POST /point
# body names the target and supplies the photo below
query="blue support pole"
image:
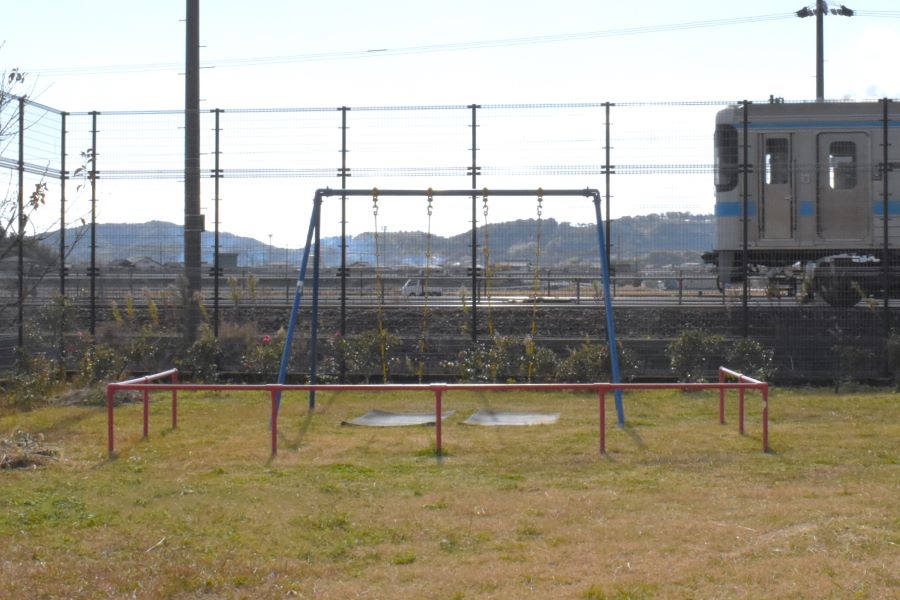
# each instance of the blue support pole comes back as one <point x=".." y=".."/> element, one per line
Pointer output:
<point x="314" y="322"/>
<point x="610" y="321"/>
<point x="298" y="294"/>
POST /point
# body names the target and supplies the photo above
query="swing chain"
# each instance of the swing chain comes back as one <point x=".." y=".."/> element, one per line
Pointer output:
<point x="540" y="201"/>
<point x="430" y="199"/>
<point x="375" y="202"/>
<point x="484" y="200"/>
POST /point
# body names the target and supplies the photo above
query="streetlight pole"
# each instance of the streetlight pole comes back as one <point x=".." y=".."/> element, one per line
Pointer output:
<point x="820" y="11"/>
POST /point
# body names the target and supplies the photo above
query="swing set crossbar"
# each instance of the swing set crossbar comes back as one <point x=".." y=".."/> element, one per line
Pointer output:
<point x="585" y="192"/>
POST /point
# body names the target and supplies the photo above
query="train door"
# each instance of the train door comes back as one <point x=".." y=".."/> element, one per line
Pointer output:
<point x="777" y="189"/>
<point x="843" y="186"/>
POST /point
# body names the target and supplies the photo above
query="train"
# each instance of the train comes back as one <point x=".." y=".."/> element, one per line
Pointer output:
<point x="803" y="190"/>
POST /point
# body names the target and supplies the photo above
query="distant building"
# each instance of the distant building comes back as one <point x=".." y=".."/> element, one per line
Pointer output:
<point x="228" y="260"/>
<point x="145" y="263"/>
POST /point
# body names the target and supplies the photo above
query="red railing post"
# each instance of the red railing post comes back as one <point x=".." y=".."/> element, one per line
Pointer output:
<point x="175" y="401"/>
<point x="721" y="397"/>
<point x="438" y="420"/>
<point x="602" y="400"/>
<point x="765" y="417"/>
<point x="110" y="435"/>
<point x="741" y="411"/>
<point x="146" y="413"/>
<point x="274" y="422"/>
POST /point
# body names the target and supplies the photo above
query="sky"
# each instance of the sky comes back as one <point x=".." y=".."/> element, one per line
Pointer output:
<point x="114" y="55"/>
<point x="129" y="54"/>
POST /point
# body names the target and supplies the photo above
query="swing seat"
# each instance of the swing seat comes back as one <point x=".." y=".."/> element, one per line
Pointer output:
<point x="380" y="418"/>
<point x="490" y="418"/>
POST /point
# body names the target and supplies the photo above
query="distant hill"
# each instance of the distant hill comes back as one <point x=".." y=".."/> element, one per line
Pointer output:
<point x="510" y="242"/>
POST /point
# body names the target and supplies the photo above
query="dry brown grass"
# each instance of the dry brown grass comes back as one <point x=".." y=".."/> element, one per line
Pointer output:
<point x="681" y="507"/>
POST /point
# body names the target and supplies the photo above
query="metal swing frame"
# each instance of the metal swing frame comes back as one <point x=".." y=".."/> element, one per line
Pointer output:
<point x="312" y="240"/>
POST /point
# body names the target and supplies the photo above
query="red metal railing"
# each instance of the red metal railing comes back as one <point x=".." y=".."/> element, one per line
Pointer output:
<point x="437" y="389"/>
<point x="141" y="383"/>
<point x="724" y="375"/>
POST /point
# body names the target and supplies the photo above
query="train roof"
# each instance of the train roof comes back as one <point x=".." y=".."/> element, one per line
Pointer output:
<point x="808" y="112"/>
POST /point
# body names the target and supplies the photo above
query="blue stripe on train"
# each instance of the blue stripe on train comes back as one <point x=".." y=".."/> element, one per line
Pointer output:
<point x="734" y="209"/>
<point x="893" y="208"/>
<point x="807" y="208"/>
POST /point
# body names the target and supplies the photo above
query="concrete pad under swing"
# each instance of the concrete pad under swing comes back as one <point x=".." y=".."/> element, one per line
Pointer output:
<point x="380" y="418"/>
<point x="491" y="418"/>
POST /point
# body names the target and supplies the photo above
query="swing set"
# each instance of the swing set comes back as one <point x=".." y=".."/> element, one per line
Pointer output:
<point x="312" y="243"/>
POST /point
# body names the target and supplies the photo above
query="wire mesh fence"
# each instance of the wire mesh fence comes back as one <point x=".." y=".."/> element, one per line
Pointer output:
<point x="728" y="222"/>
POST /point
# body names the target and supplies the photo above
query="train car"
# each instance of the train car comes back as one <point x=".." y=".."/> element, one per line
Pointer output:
<point x="814" y="191"/>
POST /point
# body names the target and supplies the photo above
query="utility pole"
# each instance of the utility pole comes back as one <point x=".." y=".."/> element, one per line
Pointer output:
<point x="819" y="12"/>
<point x="193" y="220"/>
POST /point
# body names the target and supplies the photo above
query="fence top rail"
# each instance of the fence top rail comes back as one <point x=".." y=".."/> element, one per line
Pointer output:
<point x="587" y="192"/>
<point x="739" y="376"/>
<point x="148" y="378"/>
<point x="433" y="387"/>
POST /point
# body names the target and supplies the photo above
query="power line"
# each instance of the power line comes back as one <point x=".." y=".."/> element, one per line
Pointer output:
<point x="446" y="47"/>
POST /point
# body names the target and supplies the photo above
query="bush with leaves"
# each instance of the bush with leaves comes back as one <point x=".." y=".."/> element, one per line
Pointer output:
<point x="472" y="364"/>
<point x="694" y="354"/>
<point x="751" y="358"/>
<point x="366" y="354"/>
<point x="36" y="376"/>
<point x="98" y="363"/>
<point x="892" y="348"/>
<point x="587" y="363"/>
<point x="263" y="357"/>
<point x="505" y="359"/>
<point x="201" y="359"/>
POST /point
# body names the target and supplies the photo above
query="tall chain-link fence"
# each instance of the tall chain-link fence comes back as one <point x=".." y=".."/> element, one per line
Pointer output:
<point x="93" y="243"/>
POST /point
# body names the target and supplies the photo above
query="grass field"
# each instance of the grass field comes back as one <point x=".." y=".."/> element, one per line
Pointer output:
<point x="681" y="507"/>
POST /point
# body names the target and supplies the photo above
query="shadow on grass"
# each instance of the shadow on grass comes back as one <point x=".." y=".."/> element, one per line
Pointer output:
<point x="305" y="424"/>
<point x="635" y="436"/>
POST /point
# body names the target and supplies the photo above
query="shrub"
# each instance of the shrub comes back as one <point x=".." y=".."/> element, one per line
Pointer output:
<point x="750" y="358"/>
<point x="366" y="353"/>
<point x="585" y="364"/>
<point x="694" y="353"/>
<point x="202" y="357"/>
<point x="36" y="376"/>
<point x="98" y="363"/>
<point x="892" y="348"/>
<point x="263" y="357"/>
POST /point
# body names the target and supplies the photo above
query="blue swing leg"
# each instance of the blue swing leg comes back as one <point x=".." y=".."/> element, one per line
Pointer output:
<point x="610" y="321"/>
<point x="298" y="294"/>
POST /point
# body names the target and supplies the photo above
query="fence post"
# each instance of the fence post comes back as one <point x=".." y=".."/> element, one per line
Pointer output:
<point x="886" y="256"/>
<point x="602" y="401"/>
<point x="174" y="401"/>
<point x="745" y="218"/>
<point x="474" y="171"/>
<point x="274" y="421"/>
<point x="343" y="171"/>
<point x="721" y="397"/>
<point x="110" y="435"/>
<point x="438" y="421"/>
<point x="20" y="234"/>
<point x="93" y="268"/>
<point x="217" y="267"/>
<point x="146" y="413"/>
<point x="607" y="171"/>
<point x="63" y="175"/>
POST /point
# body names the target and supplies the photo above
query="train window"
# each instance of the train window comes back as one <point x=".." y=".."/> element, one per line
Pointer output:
<point x="726" y="158"/>
<point x="778" y="161"/>
<point x="842" y="165"/>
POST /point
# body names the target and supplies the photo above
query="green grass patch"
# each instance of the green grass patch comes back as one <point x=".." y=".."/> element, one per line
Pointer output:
<point x="680" y="507"/>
